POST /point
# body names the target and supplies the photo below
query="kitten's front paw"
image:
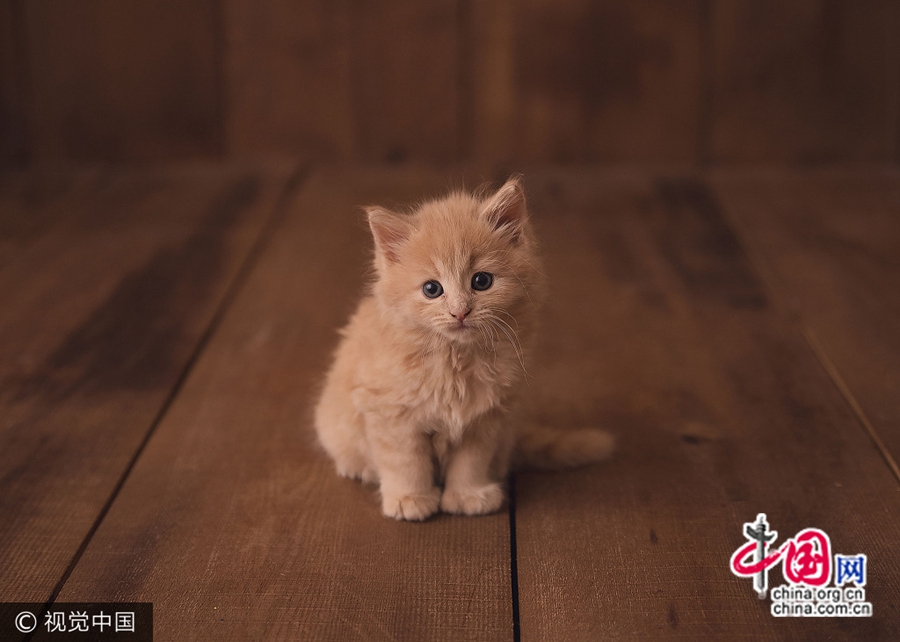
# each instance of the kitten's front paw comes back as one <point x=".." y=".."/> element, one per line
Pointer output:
<point x="412" y="507"/>
<point x="472" y="501"/>
<point x="353" y="465"/>
<point x="365" y="474"/>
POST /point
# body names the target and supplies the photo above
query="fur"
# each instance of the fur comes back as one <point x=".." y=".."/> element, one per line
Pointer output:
<point x="420" y="387"/>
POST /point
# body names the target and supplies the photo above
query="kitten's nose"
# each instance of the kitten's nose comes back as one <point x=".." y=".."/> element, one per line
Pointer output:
<point x="460" y="315"/>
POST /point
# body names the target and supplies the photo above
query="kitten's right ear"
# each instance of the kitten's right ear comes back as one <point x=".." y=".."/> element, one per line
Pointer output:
<point x="389" y="230"/>
<point x="505" y="210"/>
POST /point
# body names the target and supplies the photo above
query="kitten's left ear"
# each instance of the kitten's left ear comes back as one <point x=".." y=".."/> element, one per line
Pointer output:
<point x="505" y="210"/>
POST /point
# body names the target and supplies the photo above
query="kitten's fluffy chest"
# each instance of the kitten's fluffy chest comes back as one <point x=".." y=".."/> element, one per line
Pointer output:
<point x="459" y="384"/>
<point x="442" y="386"/>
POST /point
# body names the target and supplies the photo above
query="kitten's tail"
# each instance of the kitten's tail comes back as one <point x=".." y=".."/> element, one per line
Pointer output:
<point x="548" y="447"/>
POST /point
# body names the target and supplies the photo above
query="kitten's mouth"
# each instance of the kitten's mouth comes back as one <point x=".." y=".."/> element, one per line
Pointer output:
<point x="461" y="329"/>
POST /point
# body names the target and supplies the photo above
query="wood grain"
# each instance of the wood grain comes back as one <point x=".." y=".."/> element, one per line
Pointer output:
<point x="289" y="88"/>
<point x="236" y="526"/>
<point x="13" y="82"/>
<point x="648" y="81"/>
<point x="343" y="81"/>
<point x="116" y="80"/>
<point x="829" y="242"/>
<point x="108" y="279"/>
<point x="893" y="53"/>
<point x="405" y="80"/>
<point x="612" y="82"/>
<point x="810" y="81"/>
<point x="490" y="105"/>
<point x="661" y="331"/>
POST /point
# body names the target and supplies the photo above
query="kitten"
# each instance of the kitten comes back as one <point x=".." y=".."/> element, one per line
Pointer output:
<point x="433" y="360"/>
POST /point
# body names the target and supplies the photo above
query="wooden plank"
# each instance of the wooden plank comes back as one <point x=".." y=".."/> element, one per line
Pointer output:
<point x="893" y="53"/>
<point x="288" y="66"/>
<point x="607" y="81"/>
<point x="236" y="526"/>
<point x="829" y="243"/>
<point x="807" y="81"/>
<point x="13" y="142"/>
<point x="108" y="280"/>
<point x="343" y="81"/>
<point x="117" y="80"/>
<point x="405" y="80"/>
<point x="489" y="101"/>
<point x="661" y="331"/>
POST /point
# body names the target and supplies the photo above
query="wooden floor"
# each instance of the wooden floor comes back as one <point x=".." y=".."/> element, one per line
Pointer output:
<point x="164" y="332"/>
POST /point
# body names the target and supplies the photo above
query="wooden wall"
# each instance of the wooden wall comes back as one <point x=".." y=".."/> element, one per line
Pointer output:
<point x="639" y="81"/>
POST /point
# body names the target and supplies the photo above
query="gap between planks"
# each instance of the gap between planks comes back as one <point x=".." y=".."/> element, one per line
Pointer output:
<point x="513" y="559"/>
<point x="836" y="378"/>
<point x="293" y="183"/>
<point x="776" y="289"/>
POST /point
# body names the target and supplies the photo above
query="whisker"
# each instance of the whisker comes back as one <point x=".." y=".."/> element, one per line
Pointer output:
<point x="511" y="334"/>
<point x="488" y="335"/>
<point x="487" y="339"/>
<point x="521" y="282"/>
<point x="509" y="314"/>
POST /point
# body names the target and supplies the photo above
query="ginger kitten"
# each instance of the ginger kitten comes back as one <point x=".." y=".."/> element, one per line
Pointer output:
<point x="431" y="363"/>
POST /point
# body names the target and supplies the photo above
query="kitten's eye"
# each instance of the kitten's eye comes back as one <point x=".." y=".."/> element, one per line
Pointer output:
<point x="482" y="280"/>
<point x="432" y="289"/>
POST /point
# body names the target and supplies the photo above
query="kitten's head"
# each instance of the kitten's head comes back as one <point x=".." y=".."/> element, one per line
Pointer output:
<point x="463" y="268"/>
